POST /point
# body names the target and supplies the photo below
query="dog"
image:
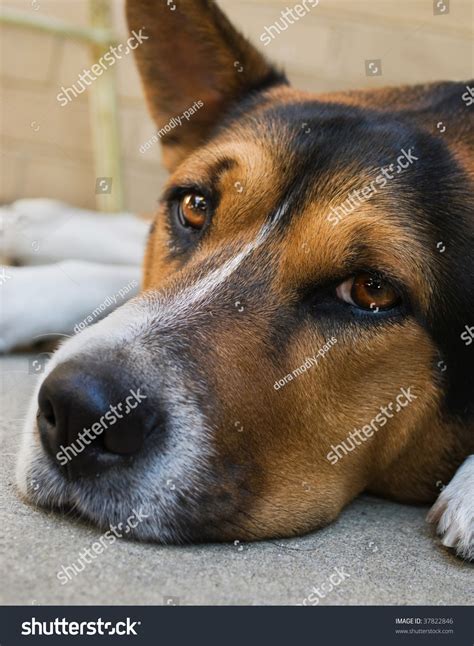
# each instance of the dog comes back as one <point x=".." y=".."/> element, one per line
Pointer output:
<point x="303" y="331"/>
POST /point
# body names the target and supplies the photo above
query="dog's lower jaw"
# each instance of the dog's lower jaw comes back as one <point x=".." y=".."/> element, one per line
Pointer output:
<point x="41" y="484"/>
<point x="453" y="512"/>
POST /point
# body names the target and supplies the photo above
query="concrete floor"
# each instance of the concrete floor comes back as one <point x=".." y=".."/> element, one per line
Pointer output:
<point x="387" y="551"/>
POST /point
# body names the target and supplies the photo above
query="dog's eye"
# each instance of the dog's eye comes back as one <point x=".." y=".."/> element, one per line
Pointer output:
<point x="368" y="292"/>
<point x="193" y="211"/>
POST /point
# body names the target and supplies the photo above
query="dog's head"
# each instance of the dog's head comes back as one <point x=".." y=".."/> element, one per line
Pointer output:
<point x="304" y="329"/>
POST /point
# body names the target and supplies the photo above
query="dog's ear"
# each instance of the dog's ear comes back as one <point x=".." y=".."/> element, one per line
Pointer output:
<point x="192" y="55"/>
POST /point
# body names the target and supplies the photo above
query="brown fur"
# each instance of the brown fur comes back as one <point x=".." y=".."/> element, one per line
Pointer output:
<point x="287" y="485"/>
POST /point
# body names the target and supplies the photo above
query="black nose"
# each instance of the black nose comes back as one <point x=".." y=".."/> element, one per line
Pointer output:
<point x="90" y="418"/>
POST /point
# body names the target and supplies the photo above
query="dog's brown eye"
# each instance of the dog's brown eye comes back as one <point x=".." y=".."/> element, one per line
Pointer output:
<point x="193" y="211"/>
<point x="369" y="292"/>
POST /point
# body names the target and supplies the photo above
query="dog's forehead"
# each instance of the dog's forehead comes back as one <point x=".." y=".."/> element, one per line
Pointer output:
<point x="322" y="135"/>
<point x="314" y="150"/>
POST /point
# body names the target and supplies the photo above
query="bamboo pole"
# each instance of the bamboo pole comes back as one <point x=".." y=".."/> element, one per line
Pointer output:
<point x="102" y="94"/>
<point x="104" y="121"/>
<point x="56" y="27"/>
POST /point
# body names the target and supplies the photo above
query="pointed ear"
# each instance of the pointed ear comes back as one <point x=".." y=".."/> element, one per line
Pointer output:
<point x="192" y="55"/>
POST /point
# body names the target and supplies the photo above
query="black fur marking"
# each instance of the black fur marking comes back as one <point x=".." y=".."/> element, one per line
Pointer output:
<point x="432" y="199"/>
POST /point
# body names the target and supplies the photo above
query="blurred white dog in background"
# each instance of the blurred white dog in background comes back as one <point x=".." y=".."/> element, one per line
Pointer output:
<point x="63" y="268"/>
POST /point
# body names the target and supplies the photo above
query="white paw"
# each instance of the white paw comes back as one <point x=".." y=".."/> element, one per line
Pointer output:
<point x="453" y="512"/>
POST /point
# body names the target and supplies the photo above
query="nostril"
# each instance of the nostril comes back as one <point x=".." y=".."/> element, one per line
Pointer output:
<point x="47" y="430"/>
<point x="51" y="428"/>
<point x="47" y="410"/>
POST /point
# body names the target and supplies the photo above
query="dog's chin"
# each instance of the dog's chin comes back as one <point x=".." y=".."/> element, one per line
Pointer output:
<point x="101" y="502"/>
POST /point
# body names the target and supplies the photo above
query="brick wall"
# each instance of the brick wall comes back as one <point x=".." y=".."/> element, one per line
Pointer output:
<point x="46" y="150"/>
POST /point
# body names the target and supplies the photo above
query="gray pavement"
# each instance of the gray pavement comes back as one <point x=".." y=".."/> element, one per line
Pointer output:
<point x="386" y="551"/>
